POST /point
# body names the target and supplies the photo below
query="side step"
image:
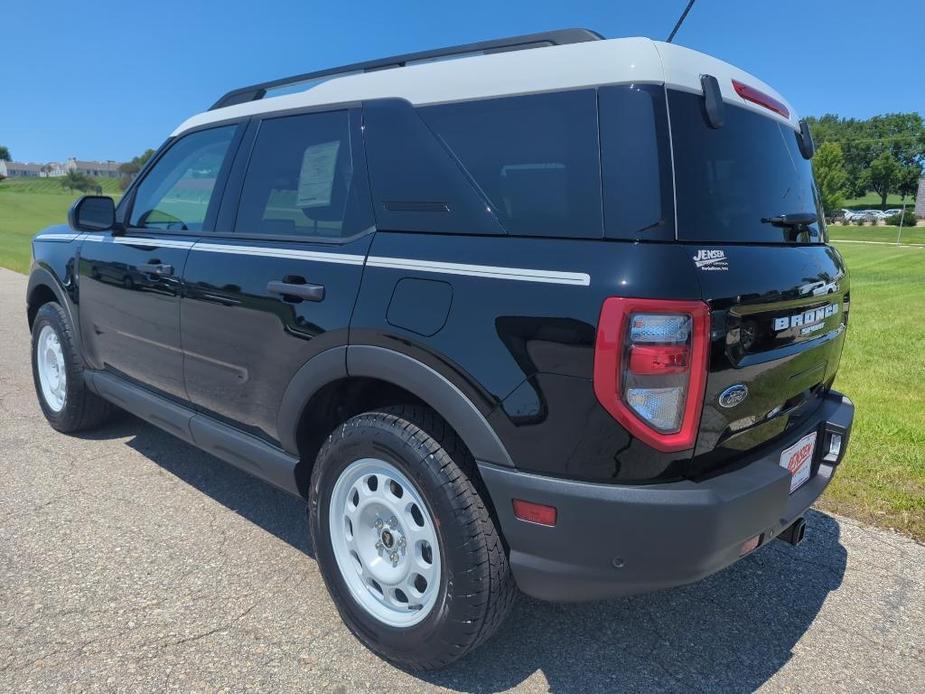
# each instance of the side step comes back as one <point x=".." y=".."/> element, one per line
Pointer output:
<point x="242" y="450"/>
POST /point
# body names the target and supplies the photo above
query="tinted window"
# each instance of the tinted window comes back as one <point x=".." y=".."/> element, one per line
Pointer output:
<point x="535" y="157"/>
<point x="302" y="179"/>
<point x="177" y="192"/>
<point x="636" y="162"/>
<point x="729" y="178"/>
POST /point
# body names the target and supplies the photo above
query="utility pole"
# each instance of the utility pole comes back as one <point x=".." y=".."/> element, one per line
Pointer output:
<point x="902" y="218"/>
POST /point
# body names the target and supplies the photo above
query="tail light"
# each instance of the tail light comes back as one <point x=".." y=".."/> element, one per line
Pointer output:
<point x="650" y="368"/>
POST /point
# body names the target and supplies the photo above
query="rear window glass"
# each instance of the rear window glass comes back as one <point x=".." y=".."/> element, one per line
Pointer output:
<point x="729" y="178"/>
<point x="536" y="158"/>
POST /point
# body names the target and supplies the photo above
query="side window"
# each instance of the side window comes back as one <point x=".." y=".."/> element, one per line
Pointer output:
<point x="302" y="179"/>
<point x="636" y="162"/>
<point x="535" y="157"/>
<point x="177" y="192"/>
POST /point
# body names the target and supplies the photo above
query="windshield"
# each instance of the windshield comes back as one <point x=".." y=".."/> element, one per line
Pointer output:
<point x="732" y="181"/>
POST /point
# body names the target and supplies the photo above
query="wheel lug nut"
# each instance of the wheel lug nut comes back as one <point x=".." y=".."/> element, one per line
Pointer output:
<point x="378" y="524"/>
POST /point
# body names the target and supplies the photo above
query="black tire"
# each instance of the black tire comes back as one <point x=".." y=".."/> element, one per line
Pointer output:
<point x="476" y="587"/>
<point x="82" y="408"/>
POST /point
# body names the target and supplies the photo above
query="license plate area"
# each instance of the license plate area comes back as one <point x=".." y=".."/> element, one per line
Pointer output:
<point x="798" y="460"/>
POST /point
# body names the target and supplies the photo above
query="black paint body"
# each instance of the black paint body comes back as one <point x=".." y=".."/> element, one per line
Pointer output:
<point x="253" y="337"/>
<point x="210" y="336"/>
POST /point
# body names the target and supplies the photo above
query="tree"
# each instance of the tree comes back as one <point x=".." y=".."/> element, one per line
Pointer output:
<point x="131" y="168"/>
<point x="831" y="175"/>
<point x="883" y="175"/>
<point x="902" y="135"/>
<point x="5" y="154"/>
<point x="74" y="180"/>
<point x="907" y="181"/>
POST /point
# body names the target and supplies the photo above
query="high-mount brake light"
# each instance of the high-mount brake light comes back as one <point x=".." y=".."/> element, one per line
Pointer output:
<point x="650" y="368"/>
<point x="757" y="96"/>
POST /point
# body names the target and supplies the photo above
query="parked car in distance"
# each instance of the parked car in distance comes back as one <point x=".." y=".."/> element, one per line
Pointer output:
<point x="552" y="312"/>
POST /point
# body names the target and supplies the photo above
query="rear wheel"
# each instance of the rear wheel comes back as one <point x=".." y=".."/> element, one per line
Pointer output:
<point x="406" y="545"/>
<point x="57" y="372"/>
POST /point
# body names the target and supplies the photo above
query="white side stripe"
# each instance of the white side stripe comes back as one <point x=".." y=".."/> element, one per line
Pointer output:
<point x="488" y="271"/>
<point x="581" y="279"/>
<point x="293" y="253"/>
<point x="161" y="243"/>
<point x="56" y="237"/>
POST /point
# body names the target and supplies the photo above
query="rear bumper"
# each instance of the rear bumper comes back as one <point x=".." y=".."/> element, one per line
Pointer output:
<point x="613" y="540"/>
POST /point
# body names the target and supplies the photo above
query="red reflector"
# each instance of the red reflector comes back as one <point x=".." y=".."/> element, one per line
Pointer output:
<point x="534" y="513"/>
<point x="750" y="545"/>
<point x="648" y="360"/>
<point x="760" y="98"/>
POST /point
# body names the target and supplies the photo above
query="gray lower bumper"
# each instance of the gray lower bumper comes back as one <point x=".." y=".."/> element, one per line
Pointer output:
<point x="613" y="540"/>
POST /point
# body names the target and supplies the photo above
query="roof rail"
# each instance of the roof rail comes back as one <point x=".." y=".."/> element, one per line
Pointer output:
<point x="514" y="43"/>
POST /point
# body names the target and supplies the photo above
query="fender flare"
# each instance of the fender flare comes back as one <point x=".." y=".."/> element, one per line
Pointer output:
<point x="401" y="370"/>
<point x="435" y="390"/>
<point x="323" y="368"/>
<point x="42" y="277"/>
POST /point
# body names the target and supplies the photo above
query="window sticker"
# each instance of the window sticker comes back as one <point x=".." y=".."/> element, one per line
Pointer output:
<point x="316" y="178"/>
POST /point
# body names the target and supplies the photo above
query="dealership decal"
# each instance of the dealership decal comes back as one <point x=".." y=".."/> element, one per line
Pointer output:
<point x="710" y="259"/>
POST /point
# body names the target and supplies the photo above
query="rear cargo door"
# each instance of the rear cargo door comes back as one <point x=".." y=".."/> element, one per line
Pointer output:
<point x="778" y="293"/>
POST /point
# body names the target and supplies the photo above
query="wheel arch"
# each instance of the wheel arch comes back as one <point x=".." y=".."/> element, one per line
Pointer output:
<point x="43" y="288"/>
<point x="344" y="381"/>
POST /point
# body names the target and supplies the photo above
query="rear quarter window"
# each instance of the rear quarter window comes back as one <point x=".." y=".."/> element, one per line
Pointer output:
<point x="536" y="158"/>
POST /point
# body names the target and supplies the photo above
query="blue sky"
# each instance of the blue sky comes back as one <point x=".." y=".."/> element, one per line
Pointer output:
<point x="105" y="80"/>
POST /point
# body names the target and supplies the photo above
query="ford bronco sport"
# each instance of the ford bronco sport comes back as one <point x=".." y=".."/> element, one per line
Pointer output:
<point x="552" y="312"/>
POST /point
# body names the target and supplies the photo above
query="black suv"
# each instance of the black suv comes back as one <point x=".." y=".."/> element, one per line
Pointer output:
<point x="551" y="311"/>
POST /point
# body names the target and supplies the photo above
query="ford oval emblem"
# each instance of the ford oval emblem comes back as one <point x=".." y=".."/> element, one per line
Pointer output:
<point x="733" y="395"/>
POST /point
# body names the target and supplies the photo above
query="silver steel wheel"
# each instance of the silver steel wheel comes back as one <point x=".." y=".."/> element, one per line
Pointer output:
<point x="49" y="359"/>
<point x="385" y="542"/>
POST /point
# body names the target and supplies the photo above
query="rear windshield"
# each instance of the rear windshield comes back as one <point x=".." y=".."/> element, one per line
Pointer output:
<point x="730" y="178"/>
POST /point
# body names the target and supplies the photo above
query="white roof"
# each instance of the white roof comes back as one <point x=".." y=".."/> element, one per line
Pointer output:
<point x="551" y="68"/>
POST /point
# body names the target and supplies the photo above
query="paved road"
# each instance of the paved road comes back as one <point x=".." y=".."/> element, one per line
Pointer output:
<point x="130" y="561"/>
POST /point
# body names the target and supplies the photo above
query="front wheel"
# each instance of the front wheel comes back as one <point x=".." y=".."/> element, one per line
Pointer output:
<point x="57" y="371"/>
<point x="406" y="545"/>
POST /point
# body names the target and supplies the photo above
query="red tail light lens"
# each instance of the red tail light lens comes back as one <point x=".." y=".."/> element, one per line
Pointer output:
<point x="758" y="97"/>
<point x="650" y="368"/>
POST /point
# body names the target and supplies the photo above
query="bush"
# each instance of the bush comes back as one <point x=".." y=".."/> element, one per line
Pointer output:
<point x="859" y="221"/>
<point x="907" y="221"/>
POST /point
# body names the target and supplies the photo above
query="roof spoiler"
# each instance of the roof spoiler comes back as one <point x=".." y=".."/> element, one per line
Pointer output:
<point x="559" y="37"/>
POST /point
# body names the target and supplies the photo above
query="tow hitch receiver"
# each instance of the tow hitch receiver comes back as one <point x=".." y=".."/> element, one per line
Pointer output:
<point x="794" y="533"/>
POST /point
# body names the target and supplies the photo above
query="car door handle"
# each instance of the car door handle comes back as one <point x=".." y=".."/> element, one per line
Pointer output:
<point x="156" y="269"/>
<point x="309" y="292"/>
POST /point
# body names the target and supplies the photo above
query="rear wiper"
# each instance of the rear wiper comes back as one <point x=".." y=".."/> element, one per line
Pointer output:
<point x="795" y="223"/>
<point x="797" y="219"/>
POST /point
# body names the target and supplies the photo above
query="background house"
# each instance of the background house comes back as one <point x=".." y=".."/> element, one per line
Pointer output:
<point x="94" y="169"/>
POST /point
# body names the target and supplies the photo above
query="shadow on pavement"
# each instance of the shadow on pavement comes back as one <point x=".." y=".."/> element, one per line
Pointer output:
<point x="729" y="632"/>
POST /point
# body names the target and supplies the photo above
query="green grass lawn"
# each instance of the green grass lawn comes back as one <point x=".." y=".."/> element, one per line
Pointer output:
<point x="883" y="371"/>
<point x="868" y="233"/>
<point x="872" y="200"/>
<point x="883" y="367"/>
<point x="29" y="205"/>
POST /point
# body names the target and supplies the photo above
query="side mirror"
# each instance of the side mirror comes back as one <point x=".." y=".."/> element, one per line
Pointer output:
<point x="92" y="213"/>
<point x="807" y="146"/>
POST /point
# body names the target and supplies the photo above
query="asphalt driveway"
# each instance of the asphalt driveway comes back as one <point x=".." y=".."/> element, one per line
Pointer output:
<point x="131" y="561"/>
